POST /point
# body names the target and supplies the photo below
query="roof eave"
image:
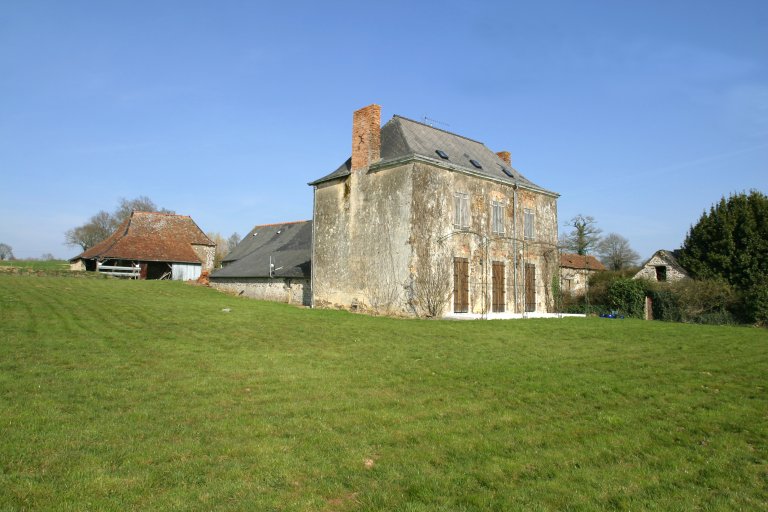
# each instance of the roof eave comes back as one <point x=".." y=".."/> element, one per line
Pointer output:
<point x="456" y="168"/>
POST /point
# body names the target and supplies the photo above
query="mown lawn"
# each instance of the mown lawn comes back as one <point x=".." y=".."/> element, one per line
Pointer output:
<point x="131" y="395"/>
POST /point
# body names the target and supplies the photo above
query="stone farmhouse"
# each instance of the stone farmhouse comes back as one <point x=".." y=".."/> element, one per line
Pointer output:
<point x="418" y="221"/>
<point x="575" y="271"/>
<point x="149" y="245"/>
<point x="661" y="267"/>
<point x="423" y="221"/>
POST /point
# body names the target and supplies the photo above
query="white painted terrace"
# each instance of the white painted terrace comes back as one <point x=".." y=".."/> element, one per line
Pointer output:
<point x="508" y="316"/>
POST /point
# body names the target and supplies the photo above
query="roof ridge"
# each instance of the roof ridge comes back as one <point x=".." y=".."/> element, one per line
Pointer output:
<point x="281" y="223"/>
<point x="438" y="129"/>
<point x="161" y="213"/>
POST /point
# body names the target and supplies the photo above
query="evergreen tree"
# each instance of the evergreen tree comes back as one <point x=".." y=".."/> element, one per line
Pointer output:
<point x="730" y="242"/>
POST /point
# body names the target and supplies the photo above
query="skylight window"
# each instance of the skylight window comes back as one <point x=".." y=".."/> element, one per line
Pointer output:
<point x="476" y="163"/>
<point x="442" y="154"/>
<point x="507" y="172"/>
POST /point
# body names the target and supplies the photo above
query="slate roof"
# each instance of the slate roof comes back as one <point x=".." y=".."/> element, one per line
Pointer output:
<point x="580" y="262"/>
<point x="403" y="139"/>
<point x="151" y="236"/>
<point x="288" y="243"/>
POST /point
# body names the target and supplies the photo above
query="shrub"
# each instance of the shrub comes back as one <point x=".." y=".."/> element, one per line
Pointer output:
<point x="706" y="301"/>
<point x="692" y="301"/>
<point x="627" y="296"/>
<point x="666" y="305"/>
<point x="755" y="303"/>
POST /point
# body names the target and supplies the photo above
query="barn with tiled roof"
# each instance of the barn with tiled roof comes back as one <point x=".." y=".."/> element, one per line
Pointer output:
<point x="160" y="245"/>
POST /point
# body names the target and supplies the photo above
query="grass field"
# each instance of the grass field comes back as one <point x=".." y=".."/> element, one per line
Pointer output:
<point x="36" y="264"/>
<point x="141" y="395"/>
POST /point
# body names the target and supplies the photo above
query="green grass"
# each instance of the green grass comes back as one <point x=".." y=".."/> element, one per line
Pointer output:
<point x="141" y="395"/>
<point x="36" y="264"/>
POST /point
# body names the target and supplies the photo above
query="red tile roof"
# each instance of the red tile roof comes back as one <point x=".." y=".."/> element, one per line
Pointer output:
<point x="580" y="262"/>
<point x="149" y="236"/>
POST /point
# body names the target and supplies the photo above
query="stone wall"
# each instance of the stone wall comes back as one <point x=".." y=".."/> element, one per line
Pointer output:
<point x="382" y="237"/>
<point x="287" y="290"/>
<point x="673" y="271"/>
<point x="578" y="278"/>
<point x="360" y="246"/>
<point x="206" y="254"/>
<point x="433" y="206"/>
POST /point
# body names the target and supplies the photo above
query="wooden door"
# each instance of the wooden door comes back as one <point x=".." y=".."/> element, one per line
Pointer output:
<point x="530" y="287"/>
<point x="460" y="285"/>
<point x="497" y="290"/>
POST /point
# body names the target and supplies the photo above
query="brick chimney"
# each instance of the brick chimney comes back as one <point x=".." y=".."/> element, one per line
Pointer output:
<point x="366" y="137"/>
<point x="506" y="156"/>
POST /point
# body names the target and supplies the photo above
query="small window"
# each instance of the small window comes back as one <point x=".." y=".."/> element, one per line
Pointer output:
<point x="497" y="218"/>
<point x="476" y="163"/>
<point x="529" y="228"/>
<point x="461" y="211"/>
<point x="442" y="154"/>
<point x="507" y="172"/>
<point x="661" y="273"/>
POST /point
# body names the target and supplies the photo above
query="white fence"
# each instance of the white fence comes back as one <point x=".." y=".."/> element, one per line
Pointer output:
<point x="130" y="272"/>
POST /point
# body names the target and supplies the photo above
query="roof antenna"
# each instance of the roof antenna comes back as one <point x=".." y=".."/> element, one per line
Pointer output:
<point x="432" y="122"/>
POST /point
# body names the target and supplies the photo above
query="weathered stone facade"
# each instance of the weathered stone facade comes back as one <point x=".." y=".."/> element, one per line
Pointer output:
<point x="386" y="239"/>
<point x="291" y="291"/>
<point x="575" y="271"/>
<point x="661" y="267"/>
<point x="207" y="255"/>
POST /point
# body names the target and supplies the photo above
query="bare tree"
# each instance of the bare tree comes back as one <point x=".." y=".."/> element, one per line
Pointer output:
<point x="584" y="236"/>
<point x="86" y="236"/>
<point x="232" y="241"/>
<point x="140" y="204"/>
<point x="431" y="286"/>
<point x="103" y="224"/>
<point x="222" y="248"/>
<point x="615" y="252"/>
<point x="6" y="252"/>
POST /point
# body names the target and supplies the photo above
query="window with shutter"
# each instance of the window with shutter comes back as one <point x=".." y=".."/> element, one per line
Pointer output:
<point x="460" y="211"/>
<point x="497" y="218"/>
<point x="529" y="228"/>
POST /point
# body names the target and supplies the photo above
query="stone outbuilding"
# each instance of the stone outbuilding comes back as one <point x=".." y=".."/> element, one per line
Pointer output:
<point x="272" y="262"/>
<point x="575" y="270"/>
<point x="422" y="221"/>
<point x="661" y="267"/>
<point x="150" y="245"/>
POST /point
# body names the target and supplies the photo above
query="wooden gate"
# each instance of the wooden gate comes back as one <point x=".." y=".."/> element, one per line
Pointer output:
<point x="530" y="287"/>
<point x="460" y="285"/>
<point x="497" y="279"/>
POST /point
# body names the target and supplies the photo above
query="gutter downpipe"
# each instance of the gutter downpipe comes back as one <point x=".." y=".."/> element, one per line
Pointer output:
<point x="514" y="244"/>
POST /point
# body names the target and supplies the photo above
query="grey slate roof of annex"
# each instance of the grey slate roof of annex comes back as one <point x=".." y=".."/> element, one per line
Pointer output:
<point x="289" y="244"/>
<point x="402" y="138"/>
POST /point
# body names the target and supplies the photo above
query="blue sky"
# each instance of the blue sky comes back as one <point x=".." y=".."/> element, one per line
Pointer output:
<point x="640" y="114"/>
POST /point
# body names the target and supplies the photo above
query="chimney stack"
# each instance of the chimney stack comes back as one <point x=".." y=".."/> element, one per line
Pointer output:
<point x="506" y="156"/>
<point x="366" y="137"/>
